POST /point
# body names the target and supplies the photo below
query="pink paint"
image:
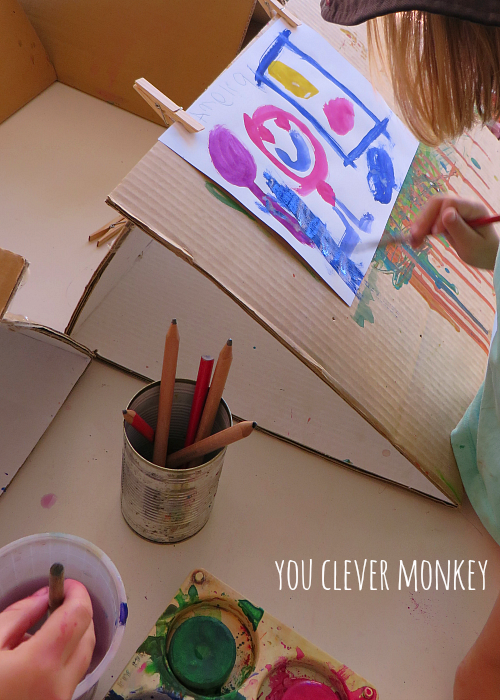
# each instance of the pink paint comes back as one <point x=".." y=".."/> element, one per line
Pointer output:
<point x="48" y="500"/>
<point x="283" y="120"/>
<point x="309" y="690"/>
<point x="386" y="453"/>
<point x="326" y="192"/>
<point x="142" y="668"/>
<point x="340" y="115"/>
<point x="286" y="685"/>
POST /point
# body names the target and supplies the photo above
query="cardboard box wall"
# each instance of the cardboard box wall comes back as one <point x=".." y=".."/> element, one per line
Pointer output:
<point x="103" y="46"/>
<point x="399" y="358"/>
<point x="61" y="152"/>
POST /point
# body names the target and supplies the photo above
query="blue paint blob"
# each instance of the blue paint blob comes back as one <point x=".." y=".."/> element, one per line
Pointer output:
<point x="380" y="176"/>
<point x="316" y="231"/>
<point x="303" y="160"/>
<point x="446" y="270"/>
<point x="123" y="613"/>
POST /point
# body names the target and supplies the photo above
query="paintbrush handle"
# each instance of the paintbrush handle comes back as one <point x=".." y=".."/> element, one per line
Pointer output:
<point x="483" y="221"/>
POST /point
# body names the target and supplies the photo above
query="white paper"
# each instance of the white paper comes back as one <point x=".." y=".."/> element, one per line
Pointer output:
<point x="302" y="140"/>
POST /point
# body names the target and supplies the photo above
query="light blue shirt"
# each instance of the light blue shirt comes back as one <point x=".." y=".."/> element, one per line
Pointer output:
<point x="476" y="439"/>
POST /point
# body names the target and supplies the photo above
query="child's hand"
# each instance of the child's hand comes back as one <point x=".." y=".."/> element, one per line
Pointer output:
<point x="52" y="662"/>
<point x="447" y="215"/>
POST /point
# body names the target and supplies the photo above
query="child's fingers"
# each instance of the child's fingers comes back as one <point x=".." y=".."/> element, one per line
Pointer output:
<point x="462" y="237"/>
<point x="61" y="634"/>
<point x="426" y="220"/>
<point x="19" y="617"/>
<point x="79" y="662"/>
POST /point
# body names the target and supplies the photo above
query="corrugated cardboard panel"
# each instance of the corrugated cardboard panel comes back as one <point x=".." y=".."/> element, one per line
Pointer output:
<point x="12" y="267"/>
<point x="103" y="46"/>
<point x="25" y="68"/>
<point x="38" y="369"/>
<point x="266" y="383"/>
<point x="411" y="352"/>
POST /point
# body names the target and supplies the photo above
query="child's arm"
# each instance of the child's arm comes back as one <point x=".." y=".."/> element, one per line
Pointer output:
<point x="52" y="662"/>
<point x="478" y="676"/>
<point x="448" y="216"/>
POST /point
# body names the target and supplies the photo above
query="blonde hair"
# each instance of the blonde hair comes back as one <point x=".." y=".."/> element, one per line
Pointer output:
<point x="445" y="72"/>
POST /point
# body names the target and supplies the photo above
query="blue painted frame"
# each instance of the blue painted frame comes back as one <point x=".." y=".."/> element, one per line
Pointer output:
<point x="380" y="126"/>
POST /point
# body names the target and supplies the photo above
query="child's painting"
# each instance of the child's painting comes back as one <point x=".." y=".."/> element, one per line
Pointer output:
<point x="304" y="142"/>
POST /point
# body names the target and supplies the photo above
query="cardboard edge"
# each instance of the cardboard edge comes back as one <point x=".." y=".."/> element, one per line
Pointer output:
<point x="16" y="325"/>
<point x="92" y="283"/>
<point x="245" y="28"/>
<point x="450" y="493"/>
<point x="17" y="266"/>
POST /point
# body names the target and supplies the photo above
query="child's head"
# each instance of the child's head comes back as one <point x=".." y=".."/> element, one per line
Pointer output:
<point x="445" y="69"/>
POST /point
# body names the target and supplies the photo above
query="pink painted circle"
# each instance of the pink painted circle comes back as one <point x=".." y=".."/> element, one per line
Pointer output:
<point x="309" y="690"/>
<point x="340" y="115"/>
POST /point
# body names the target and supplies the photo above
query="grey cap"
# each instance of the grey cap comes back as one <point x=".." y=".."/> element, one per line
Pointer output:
<point x="357" y="11"/>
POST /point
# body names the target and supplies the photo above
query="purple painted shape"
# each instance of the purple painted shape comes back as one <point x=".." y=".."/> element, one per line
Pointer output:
<point x="237" y="166"/>
<point x="233" y="161"/>
<point x="340" y="115"/>
<point x="48" y="500"/>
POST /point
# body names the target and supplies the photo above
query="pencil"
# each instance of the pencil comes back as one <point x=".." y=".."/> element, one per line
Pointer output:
<point x="135" y="420"/>
<point x="215" y="392"/>
<point x="199" y="397"/>
<point x="56" y="586"/>
<point x="210" y="444"/>
<point x="167" y="386"/>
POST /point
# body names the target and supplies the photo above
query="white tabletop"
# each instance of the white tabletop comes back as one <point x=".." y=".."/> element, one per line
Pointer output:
<point x="275" y="502"/>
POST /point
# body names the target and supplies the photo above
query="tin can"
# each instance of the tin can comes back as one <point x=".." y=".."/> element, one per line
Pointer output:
<point x="161" y="504"/>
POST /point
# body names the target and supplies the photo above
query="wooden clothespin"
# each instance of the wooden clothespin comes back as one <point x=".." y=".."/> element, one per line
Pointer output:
<point x="274" y="7"/>
<point x="168" y="110"/>
<point x="114" y="228"/>
<point x="120" y="229"/>
<point x="110" y="226"/>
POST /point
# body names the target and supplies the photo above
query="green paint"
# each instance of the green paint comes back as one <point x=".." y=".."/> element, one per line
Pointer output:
<point x="425" y="178"/>
<point x="474" y="161"/>
<point x="185" y="599"/>
<point x="450" y="486"/>
<point x="363" y="313"/>
<point x="202" y="653"/>
<point x="223" y="197"/>
<point x="348" y="461"/>
<point x="253" y="613"/>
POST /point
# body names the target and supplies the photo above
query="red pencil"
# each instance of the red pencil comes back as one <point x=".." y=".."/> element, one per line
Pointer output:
<point x="199" y="398"/>
<point x="134" y="419"/>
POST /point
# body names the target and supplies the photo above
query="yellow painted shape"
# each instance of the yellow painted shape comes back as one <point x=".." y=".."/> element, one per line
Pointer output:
<point x="293" y="81"/>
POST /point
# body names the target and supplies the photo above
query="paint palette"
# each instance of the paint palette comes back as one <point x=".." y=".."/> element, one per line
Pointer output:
<point x="212" y="643"/>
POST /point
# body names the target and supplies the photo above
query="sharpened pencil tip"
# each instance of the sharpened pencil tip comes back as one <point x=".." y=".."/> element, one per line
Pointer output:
<point x="230" y="341"/>
<point x="174" y="321"/>
<point x="124" y="411"/>
<point x="254" y="424"/>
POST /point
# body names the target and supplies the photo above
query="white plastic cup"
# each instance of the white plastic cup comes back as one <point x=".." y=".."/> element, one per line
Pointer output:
<point x="24" y="568"/>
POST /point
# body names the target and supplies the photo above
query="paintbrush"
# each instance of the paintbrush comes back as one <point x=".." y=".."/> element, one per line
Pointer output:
<point x="56" y="586"/>
<point x="405" y="237"/>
